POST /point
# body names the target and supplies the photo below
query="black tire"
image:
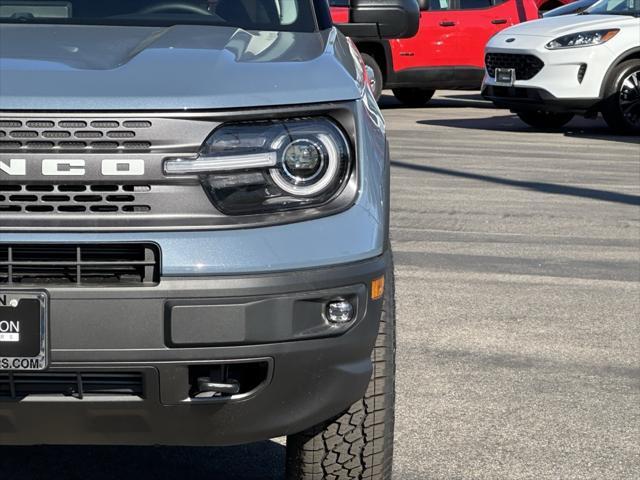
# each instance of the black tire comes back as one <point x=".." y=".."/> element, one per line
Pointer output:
<point x="359" y="443"/>
<point x="378" y="80"/>
<point x="621" y="107"/>
<point x="413" y="97"/>
<point x="545" y="120"/>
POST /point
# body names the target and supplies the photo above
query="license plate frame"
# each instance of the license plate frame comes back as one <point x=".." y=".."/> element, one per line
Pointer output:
<point x="24" y="330"/>
<point x="505" y="77"/>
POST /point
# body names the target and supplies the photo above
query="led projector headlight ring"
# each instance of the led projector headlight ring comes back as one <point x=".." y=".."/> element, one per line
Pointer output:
<point x="321" y="179"/>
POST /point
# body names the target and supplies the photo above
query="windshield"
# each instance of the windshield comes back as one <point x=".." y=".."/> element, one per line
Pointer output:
<point x="615" y="7"/>
<point x="278" y="15"/>
<point x="569" y="9"/>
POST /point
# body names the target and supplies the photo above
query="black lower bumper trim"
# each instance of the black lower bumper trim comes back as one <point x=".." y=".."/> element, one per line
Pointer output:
<point x="526" y="99"/>
<point x="121" y="331"/>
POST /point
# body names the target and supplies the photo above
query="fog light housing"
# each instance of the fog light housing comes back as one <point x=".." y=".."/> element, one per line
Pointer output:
<point x="340" y="311"/>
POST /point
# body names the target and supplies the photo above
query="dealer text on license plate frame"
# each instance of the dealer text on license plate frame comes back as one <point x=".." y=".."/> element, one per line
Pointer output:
<point x="24" y="330"/>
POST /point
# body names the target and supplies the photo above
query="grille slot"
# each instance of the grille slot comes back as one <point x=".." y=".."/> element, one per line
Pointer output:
<point x="526" y="66"/>
<point x="83" y="264"/>
<point x="14" y="386"/>
<point x="99" y="198"/>
<point x="71" y="135"/>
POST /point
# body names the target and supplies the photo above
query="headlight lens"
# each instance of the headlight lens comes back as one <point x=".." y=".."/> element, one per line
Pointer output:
<point x="271" y="166"/>
<point x="582" y="39"/>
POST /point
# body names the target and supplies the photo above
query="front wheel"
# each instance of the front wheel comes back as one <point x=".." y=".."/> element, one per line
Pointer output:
<point x="413" y="97"/>
<point x="621" y="107"/>
<point x="359" y="443"/>
<point x="545" y="120"/>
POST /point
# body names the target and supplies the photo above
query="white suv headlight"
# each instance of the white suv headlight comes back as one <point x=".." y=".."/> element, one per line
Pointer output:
<point x="582" y="39"/>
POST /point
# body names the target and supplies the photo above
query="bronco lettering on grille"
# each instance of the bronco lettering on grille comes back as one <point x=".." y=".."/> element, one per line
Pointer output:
<point x="17" y="167"/>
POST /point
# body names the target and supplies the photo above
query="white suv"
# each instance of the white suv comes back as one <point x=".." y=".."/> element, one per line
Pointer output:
<point x="548" y="70"/>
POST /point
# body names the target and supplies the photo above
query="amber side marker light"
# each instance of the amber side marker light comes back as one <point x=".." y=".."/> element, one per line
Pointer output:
<point x="377" y="288"/>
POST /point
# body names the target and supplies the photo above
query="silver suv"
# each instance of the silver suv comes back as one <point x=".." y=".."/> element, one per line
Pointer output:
<point x="194" y="247"/>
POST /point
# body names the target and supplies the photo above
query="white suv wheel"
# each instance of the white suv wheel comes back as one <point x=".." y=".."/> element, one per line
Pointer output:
<point x="629" y="99"/>
<point x="621" y="107"/>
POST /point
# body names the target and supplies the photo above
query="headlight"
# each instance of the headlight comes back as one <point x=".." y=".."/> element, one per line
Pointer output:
<point x="582" y="39"/>
<point x="270" y="166"/>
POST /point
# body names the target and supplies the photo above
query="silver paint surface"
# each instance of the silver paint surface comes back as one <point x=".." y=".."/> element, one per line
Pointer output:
<point x="74" y="67"/>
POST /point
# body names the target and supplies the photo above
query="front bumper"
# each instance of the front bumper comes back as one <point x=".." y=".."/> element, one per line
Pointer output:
<point x="314" y="373"/>
<point x="558" y="86"/>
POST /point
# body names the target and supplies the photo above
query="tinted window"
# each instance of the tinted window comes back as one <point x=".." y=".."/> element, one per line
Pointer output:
<point x="439" y="4"/>
<point x="288" y="15"/>
<point x="339" y="3"/>
<point x="575" y="7"/>
<point x="616" y="7"/>
<point x="471" y="4"/>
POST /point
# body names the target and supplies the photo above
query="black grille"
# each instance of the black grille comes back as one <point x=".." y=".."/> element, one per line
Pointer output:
<point x="14" y="386"/>
<point x="526" y="66"/>
<point x="100" y="264"/>
<point x="74" y="198"/>
<point x="73" y="135"/>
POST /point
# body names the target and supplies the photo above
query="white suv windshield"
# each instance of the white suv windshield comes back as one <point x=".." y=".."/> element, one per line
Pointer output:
<point x="615" y="7"/>
<point x="287" y="15"/>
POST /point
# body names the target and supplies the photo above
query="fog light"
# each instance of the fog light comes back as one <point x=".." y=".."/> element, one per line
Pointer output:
<point x="340" y="311"/>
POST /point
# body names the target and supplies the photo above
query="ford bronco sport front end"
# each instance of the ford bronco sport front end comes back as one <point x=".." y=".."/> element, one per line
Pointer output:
<point x="194" y="248"/>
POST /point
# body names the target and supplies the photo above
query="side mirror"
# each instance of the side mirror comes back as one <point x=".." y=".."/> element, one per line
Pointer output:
<point x="382" y="19"/>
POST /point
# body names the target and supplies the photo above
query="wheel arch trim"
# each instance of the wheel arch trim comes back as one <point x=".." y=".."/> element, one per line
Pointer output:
<point x="632" y="53"/>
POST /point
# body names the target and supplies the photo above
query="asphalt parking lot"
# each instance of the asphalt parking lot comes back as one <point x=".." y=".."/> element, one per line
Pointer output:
<point x="518" y="264"/>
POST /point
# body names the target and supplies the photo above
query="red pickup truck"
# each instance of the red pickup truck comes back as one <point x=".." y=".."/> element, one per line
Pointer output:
<point x="447" y="52"/>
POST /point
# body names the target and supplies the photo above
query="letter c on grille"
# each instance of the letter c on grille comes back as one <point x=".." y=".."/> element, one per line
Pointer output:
<point x="120" y="167"/>
<point x="62" y="167"/>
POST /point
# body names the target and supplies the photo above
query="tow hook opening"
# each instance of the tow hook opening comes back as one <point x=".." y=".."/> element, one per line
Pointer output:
<point x="227" y="381"/>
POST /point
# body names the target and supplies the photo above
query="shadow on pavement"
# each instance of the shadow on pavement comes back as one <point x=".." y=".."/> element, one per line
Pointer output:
<point x="578" y="128"/>
<point x="258" y="461"/>
<point x="601" y="134"/>
<point x="503" y="123"/>
<point x="603" y="195"/>
<point x="389" y="102"/>
<point x="466" y="96"/>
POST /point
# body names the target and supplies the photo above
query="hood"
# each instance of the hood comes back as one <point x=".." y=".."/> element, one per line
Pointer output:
<point x="72" y="67"/>
<point x="567" y="24"/>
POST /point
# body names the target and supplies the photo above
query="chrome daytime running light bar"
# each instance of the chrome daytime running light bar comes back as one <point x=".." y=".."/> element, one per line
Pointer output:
<point x="221" y="163"/>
